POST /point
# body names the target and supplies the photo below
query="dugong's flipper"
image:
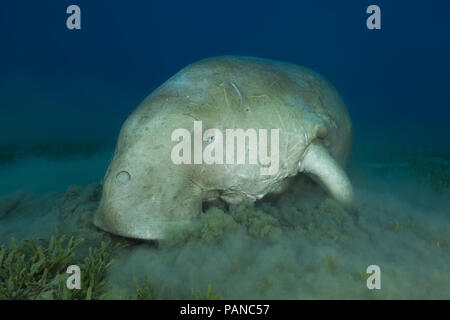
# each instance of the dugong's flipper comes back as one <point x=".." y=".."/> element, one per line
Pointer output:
<point x="324" y="169"/>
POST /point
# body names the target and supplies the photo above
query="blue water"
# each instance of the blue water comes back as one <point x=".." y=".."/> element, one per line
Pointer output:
<point x="80" y="85"/>
<point x="65" y="93"/>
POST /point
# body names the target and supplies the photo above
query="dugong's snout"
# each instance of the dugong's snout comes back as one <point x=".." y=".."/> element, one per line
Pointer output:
<point x="142" y="207"/>
<point x="134" y="225"/>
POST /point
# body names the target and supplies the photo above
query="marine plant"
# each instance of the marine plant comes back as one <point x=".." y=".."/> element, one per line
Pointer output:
<point x="29" y="267"/>
<point x="36" y="269"/>
<point x="144" y="291"/>
<point x="209" y="295"/>
<point x="331" y="263"/>
<point x="94" y="268"/>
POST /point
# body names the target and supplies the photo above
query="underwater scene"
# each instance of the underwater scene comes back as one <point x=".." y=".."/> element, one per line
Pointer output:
<point x="224" y="150"/>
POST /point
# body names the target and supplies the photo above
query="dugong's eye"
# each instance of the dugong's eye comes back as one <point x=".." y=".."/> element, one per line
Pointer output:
<point x="123" y="177"/>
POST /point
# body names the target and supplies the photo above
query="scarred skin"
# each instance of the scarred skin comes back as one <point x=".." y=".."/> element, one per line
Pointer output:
<point x="155" y="196"/>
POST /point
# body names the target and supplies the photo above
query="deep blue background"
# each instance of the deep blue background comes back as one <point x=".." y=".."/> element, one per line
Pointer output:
<point x="57" y="84"/>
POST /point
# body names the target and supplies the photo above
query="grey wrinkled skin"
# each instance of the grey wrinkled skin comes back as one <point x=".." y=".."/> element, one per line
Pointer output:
<point x="145" y="195"/>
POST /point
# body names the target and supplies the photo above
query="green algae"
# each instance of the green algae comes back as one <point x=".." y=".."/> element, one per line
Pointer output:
<point x="209" y="294"/>
<point x="36" y="269"/>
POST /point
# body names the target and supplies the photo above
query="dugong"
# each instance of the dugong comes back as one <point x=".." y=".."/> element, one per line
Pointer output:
<point x="147" y="194"/>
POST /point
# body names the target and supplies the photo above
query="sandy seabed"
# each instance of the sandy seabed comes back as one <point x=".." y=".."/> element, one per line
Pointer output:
<point x="299" y="245"/>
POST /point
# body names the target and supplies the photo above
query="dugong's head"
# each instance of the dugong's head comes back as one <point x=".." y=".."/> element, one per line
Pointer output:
<point x="144" y="193"/>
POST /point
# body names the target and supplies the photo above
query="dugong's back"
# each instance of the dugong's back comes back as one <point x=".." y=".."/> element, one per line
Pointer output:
<point x="246" y="92"/>
<point x="315" y="137"/>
